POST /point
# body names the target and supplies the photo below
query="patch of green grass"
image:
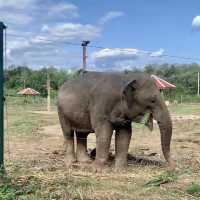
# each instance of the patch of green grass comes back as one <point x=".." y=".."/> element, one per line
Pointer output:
<point x="161" y="179"/>
<point x="23" y="121"/>
<point x="73" y="188"/>
<point x="7" y="193"/>
<point x="20" y="185"/>
<point x="194" y="190"/>
<point x="183" y="109"/>
<point x="12" y="188"/>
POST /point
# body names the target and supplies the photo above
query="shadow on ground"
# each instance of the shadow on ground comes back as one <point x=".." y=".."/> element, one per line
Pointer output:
<point x="132" y="160"/>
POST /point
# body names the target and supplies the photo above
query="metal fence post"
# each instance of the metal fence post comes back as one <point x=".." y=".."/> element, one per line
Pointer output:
<point x="2" y="27"/>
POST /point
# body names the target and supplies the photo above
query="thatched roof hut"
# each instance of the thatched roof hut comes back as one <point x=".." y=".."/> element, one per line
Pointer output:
<point x="28" y="92"/>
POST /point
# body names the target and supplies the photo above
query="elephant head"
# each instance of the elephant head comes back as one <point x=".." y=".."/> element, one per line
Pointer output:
<point x="142" y="96"/>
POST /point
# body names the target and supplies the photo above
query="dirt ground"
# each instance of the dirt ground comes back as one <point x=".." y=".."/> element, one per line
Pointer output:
<point x="40" y="155"/>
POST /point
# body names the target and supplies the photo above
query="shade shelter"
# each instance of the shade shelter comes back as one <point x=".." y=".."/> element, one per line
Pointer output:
<point x="26" y="92"/>
<point x="162" y="84"/>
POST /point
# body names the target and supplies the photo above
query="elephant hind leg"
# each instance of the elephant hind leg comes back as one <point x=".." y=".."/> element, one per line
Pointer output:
<point x="68" y="134"/>
<point x="81" y="151"/>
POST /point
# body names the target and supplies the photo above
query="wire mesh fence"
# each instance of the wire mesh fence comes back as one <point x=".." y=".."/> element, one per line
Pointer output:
<point x="32" y="53"/>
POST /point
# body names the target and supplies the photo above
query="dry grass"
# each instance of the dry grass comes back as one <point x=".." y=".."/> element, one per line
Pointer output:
<point x="35" y="167"/>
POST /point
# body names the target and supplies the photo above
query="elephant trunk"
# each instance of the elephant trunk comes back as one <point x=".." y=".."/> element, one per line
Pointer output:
<point x="162" y="116"/>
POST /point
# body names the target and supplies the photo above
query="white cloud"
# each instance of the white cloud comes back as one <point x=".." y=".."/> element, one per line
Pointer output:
<point x="109" y="16"/>
<point x="40" y="40"/>
<point x="120" y="59"/>
<point x="36" y="52"/>
<point x="158" y="53"/>
<point x="45" y="29"/>
<point x="73" y="31"/>
<point x="15" y="12"/>
<point x="64" y="10"/>
<point x="16" y="4"/>
<point x="116" y="54"/>
<point x="19" y="18"/>
<point x="114" y="59"/>
<point x="23" y="12"/>
<point x="8" y="54"/>
<point x="196" y="22"/>
<point x="18" y="44"/>
<point x="124" y="54"/>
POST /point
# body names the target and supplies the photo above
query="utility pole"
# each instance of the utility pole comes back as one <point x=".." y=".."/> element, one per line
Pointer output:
<point x="24" y="83"/>
<point x="84" y="45"/>
<point x="198" y="85"/>
<point x="2" y="28"/>
<point x="48" y="93"/>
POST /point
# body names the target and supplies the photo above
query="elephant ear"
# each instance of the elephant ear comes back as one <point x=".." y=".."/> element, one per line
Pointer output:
<point x="130" y="87"/>
<point x="128" y="91"/>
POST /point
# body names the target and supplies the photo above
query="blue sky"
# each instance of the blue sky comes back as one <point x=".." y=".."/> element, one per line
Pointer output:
<point x="133" y="32"/>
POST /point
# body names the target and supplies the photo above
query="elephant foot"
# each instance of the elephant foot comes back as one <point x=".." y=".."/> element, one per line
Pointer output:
<point x="121" y="164"/>
<point x="172" y="166"/>
<point x="98" y="166"/>
<point x="84" y="158"/>
<point x="69" y="161"/>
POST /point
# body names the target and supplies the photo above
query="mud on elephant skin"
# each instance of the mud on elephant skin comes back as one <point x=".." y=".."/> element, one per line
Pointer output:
<point x="105" y="102"/>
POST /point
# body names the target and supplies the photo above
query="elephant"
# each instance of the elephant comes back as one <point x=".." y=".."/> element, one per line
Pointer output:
<point x="101" y="103"/>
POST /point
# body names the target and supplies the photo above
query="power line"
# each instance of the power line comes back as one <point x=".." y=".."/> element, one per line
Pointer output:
<point x="144" y="52"/>
<point x="44" y="40"/>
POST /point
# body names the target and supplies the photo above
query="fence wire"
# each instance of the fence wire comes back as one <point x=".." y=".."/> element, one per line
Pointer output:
<point x="60" y="42"/>
<point x="6" y="104"/>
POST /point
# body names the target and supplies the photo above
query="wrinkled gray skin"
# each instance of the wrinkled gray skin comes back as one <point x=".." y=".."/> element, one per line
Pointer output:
<point x="103" y="102"/>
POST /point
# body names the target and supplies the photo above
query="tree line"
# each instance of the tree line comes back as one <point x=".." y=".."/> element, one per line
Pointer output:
<point x="184" y="76"/>
<point x="19" y="77"/>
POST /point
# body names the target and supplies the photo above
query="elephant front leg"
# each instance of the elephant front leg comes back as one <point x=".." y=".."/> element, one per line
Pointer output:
<point x="81" y="151"/>
<point x="122" y="141"/>
<point x="103" y="140"/>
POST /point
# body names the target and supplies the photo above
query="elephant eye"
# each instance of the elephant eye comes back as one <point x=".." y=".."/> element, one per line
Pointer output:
<point x="148" y="107"/>
<point x="153" y="100"/>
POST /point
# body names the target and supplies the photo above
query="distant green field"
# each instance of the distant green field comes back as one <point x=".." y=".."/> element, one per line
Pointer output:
<point x="185" y="109"/>
<point x="21" y="119"/>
